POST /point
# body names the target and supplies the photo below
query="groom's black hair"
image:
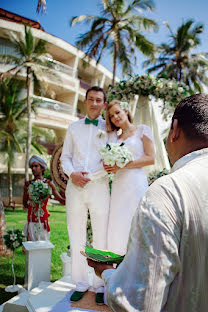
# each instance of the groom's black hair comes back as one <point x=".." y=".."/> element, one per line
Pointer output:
<point x="192" y="116"/>
<point x="98" y="89"/>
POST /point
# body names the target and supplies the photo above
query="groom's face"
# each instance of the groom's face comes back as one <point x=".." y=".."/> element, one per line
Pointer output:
<point x="94" y="103"/>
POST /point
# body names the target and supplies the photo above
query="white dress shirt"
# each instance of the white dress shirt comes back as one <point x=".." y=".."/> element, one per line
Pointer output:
<point x="81" y="147"/>
<point x="166" y="265"/>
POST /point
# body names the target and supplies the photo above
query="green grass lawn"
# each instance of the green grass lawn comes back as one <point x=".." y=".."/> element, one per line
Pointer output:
<point x="59" y="238"/>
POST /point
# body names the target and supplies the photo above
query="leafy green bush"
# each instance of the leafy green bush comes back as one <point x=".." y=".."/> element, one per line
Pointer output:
<point x="47" y="174"/>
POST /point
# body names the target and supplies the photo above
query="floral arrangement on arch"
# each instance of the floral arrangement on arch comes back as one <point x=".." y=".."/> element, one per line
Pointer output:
<point x="170" y="91"/>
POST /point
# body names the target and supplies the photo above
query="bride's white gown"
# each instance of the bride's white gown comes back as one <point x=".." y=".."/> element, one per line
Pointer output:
<point x="128" y="186"/>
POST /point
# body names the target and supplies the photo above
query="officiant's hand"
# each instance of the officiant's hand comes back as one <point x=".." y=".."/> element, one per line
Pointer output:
<point x="79" y="179"/>
<point x="111" y="169"/>
<point x="99" y="267"/>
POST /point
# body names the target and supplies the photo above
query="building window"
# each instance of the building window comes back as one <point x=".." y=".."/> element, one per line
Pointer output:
<point x="7" y="47"/>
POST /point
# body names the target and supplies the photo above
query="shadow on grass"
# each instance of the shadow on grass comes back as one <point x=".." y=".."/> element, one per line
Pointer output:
<point x="19" y="211"/>
<point x="56" y="211"/>
<point x="8" y="280"/>
<point x="4" y="296"/>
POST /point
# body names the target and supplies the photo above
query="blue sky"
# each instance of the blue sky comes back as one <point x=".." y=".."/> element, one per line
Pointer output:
<point x="56" y="19"/>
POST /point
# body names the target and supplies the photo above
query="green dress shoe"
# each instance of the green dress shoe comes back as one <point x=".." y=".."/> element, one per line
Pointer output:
<point x="99" y="298"/>
<point x="77" y="295"/>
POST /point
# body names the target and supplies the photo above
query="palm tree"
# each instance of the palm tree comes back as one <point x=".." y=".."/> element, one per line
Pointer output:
<point x="176" y="60"/>
<point x="30" y="56"/>
<point x="12" y="110"/>
<point x="118" y="30"/>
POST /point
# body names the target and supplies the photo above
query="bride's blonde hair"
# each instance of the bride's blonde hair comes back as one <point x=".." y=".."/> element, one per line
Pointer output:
<point x="109" y="125"/>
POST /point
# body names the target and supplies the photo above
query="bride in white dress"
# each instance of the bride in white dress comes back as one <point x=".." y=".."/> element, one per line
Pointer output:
<point x="129" y="183"/>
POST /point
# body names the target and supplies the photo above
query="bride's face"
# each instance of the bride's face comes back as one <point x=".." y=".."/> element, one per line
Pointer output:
<point x="117" y="115"/>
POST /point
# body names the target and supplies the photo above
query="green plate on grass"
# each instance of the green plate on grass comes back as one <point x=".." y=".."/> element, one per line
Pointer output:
<point x="102" y="255"/>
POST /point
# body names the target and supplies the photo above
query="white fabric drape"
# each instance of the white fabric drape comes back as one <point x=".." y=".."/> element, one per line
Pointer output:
<point x="145" y="114"/>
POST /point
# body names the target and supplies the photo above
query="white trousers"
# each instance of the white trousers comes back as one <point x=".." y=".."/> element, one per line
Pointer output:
<point x="94" y="196"/>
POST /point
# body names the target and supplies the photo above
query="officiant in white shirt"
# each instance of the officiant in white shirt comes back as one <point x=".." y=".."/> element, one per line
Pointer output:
<point x="165" y="268"/>
<point x="87" y="188"/>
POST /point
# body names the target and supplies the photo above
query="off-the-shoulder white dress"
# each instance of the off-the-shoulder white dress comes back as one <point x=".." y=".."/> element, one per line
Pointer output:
<point x="128" y="186"/>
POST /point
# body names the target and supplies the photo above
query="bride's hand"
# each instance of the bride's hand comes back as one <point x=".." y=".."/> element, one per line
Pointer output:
<point x="115" y="168"/>
<point x="107" y="167"/>
<point x="110" y="169"/>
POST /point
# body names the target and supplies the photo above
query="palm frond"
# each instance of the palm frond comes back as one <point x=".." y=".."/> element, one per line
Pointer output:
<point x="82" y="18"/>
<point x="40" y="48"/>
<point x="145" y="46"/>
<point x="10" y="59"/>
<point x="141" y="5"/>
<point x="41" y="7"/>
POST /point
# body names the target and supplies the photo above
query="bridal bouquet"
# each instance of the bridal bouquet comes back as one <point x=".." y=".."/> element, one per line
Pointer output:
<point x="38" y="191"/>
<point x="116" y="154"/>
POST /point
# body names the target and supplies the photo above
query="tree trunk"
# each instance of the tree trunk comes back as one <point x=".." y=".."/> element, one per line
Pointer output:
<point x="3" y="249"/>
<point x="114" y="64"/>
<point x="9" y="171"/>
<point x="29" y="124"/>
<point x="10" y="180"/>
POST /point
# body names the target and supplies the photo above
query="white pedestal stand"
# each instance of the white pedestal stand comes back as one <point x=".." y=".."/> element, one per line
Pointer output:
<point x="38" y="263"/>
<point x="13" y="288"/>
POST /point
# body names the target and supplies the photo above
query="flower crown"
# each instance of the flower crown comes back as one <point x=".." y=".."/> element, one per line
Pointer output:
<point x="124" y="105"/>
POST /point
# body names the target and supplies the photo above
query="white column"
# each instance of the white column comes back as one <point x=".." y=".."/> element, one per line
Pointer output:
<point x="102" y="82"/>
<point x="37" y="263"/>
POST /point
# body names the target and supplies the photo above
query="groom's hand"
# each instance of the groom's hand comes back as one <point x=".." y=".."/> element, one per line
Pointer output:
<point x="79" y="179"/>
<point x="99" y="267"/>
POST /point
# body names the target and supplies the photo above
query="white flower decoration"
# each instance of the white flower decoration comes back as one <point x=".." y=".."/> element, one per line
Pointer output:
<point x="101" y="133"/>
<point x="124" y="105"/>
<point x="13" y="237"/>
<point x="16" y="244"/>
<point x="119" y="132"/>
<point x="116" y="154"/>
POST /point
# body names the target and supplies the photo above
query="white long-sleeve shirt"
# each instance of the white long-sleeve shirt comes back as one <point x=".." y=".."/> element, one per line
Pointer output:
<point x="81" y="147"/>
<point x="166" y="265"/>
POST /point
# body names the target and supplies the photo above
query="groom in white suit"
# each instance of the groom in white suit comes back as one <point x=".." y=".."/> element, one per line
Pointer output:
<point x="87" y="188"/>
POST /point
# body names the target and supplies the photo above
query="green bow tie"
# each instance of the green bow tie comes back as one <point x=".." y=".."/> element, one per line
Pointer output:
<point x="89" y="121"/>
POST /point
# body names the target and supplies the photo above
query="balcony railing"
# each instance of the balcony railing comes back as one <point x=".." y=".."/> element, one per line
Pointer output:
<point x="53" y="105"/>
<point x="60" y="67"/>
<point x="7" y="47"/>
